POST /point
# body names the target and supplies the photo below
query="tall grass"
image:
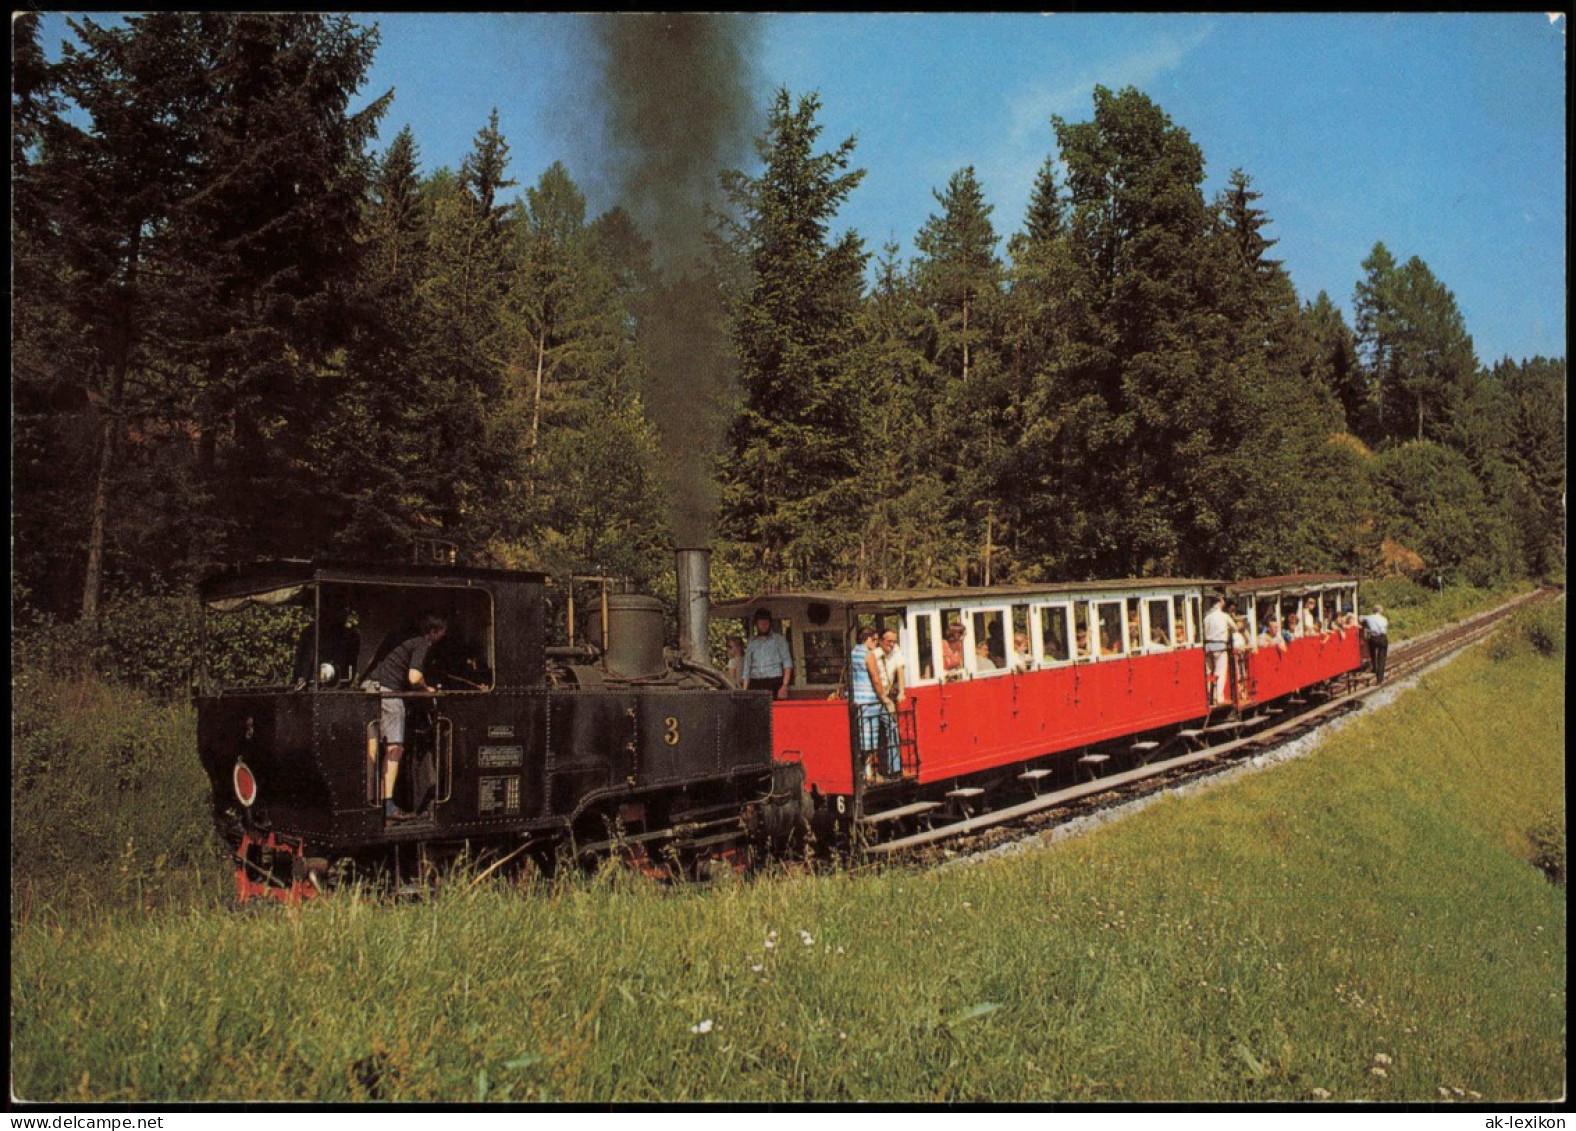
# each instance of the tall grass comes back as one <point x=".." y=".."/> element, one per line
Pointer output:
<point x="1362" y="923"/>
<point x="109" y="805"/>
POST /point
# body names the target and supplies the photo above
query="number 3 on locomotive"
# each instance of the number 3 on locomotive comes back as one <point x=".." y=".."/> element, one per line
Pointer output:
<point x="671" y="734"/>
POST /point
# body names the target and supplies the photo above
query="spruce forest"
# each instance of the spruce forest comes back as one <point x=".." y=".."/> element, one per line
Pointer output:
<point x="246" y="325"/>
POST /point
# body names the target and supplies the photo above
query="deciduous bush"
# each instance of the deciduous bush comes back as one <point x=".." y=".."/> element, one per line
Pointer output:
<point x="1537" y="628"/>
<point x="154" y="641"/>
<point x="1548" y="847"/>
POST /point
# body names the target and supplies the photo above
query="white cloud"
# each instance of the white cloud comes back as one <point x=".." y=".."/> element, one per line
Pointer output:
<point x="1030" y="108"/>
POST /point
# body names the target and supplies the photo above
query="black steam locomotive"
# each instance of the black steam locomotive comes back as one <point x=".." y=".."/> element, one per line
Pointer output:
<point x="605" y="740"/>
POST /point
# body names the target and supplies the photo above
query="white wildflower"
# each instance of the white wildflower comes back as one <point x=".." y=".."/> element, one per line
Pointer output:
<point x="1320" y="1094"/>
<point x="757" y="967"/>
<point x="1377" y="1071"/>
<point x="703" y="1027"/>
<point x="1382" y="1058"/>
<point x="804" y="937"/>
<point x="839" y="950"/>
<point x="770" y="944"/>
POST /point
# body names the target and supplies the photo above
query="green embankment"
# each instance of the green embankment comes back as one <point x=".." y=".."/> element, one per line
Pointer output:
<point x="1362" y="922"/>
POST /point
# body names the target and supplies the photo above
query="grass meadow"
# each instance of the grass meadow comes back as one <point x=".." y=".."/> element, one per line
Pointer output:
<point x="1362" y="924"/>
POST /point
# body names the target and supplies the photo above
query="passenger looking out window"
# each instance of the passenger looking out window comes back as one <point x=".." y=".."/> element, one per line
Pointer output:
<point x="1159" y="622"/>
<point x="952" y="652"/>
<point x="1110" y="614"/>
<point x="1270" y="635"/>
<point x="1054" y="645"/>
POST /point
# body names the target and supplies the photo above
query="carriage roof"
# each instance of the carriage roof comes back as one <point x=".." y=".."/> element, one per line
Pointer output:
<point x="1292" y="582"/>
<point x="874" y="600"/>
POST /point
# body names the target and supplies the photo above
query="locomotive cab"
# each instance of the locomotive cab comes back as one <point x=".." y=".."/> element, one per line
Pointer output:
<point x="287" y="730"/>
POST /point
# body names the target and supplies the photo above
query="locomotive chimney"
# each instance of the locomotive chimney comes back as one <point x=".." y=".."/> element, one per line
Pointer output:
<point x="694" y="570"/>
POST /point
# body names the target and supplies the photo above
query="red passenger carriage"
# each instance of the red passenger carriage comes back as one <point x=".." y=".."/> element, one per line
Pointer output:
<point x="1103" y="666"/>
<point x="1045" y="669"/>
<point x="1317" y="615"/>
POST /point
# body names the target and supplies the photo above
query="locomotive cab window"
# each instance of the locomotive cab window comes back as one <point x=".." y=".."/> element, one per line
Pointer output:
<point x="461" y="660"/>
<point x="259" y="641"/>
<point x="327" y="636"/>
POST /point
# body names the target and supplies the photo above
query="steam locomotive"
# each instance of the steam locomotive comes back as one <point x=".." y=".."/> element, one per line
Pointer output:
<point x="607" y="741"/>
<point x="522" y="748"/>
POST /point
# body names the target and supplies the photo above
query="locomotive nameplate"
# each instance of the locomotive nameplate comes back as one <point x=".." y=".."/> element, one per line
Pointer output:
<point x="494" y="757"/>
<point x="501" y="730"/>
<point x="498" y="795"/>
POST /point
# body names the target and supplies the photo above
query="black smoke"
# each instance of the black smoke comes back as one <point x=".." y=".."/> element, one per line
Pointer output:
<point x="676" y="99"/>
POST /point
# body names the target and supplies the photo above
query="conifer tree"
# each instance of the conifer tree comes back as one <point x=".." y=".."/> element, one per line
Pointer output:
<point x="789" y="482"/>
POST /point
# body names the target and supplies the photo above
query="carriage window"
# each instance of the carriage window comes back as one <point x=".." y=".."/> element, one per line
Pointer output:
<point x="1249" y="607"/>
<point x="1195" y="621"/>
<point x="1179" y="617"/>
<point x="823" y="658"/>
<point x="953" y="646"/>
<point x="1084" y="646"/>
<point x="1135" y="628"/>
<point x="1290" y="621"/>
<point x="1160" y="623"/>
<point x="1022" y="654"/>
<point x="1055" y="647"/>
<point x="990" y="632"/>
<point x="925" y="644"/>
<point x="1111" y="627"/>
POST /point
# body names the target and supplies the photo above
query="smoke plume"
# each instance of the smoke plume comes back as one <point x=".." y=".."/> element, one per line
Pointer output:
<point x="676" y="97"/>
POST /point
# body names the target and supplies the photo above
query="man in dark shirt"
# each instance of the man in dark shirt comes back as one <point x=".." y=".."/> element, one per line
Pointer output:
<point x="402" y="669"/>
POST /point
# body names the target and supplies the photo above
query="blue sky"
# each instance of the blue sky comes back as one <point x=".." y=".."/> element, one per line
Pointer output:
<point x="1441" y="135"/>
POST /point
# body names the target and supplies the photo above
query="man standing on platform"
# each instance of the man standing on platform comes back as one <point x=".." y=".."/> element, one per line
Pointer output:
<point x="768" y="665"/>
<point x="1218" y="627"/>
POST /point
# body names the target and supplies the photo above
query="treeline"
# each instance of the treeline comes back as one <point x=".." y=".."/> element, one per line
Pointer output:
<point x="239" y="330"/>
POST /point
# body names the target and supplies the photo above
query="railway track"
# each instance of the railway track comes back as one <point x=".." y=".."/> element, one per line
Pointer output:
<point x="1181" y="759"/>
